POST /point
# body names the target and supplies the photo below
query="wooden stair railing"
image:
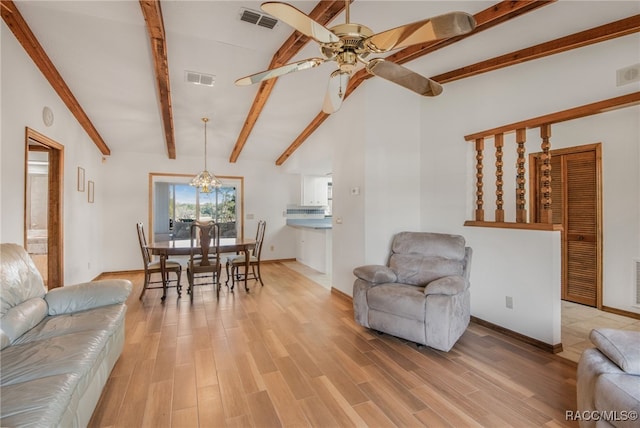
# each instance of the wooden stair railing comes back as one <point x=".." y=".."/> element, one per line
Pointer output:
<point x="521" y="220"/>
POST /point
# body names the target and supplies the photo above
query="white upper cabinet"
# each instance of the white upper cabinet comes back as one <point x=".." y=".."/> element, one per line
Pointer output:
<point x="315" y="190"/>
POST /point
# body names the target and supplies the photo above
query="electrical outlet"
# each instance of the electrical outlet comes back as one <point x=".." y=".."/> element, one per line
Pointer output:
<point x="509" y="302"/>
<point x="272" y="248"/>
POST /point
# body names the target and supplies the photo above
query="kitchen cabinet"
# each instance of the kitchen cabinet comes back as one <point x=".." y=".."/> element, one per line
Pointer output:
<point x="313" y="248"/>
<point x="315" y="190"/>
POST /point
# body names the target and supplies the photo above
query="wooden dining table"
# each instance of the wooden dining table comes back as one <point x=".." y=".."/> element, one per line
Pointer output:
<point x="182" y="247"/>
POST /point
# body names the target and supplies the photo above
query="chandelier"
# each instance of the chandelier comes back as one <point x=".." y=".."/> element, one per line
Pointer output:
<point x="205" y="181"/>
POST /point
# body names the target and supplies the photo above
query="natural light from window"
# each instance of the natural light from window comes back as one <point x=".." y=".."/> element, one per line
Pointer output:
<point x="176" y="205"/>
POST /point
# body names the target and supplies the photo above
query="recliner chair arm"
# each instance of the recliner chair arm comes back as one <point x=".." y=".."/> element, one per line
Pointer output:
<point x="448" y="285"/>
<point x="375" y="274"/>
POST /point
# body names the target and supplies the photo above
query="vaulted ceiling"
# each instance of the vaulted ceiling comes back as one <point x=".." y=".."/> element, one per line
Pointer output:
<point x="121" y="66"/>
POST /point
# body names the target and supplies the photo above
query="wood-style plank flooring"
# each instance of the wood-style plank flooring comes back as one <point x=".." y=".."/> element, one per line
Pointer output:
<point x="290" y="354"/>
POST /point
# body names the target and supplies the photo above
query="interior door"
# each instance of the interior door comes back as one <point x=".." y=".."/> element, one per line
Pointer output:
<point x="43" y="229"/>
<point x="577" y="205"/>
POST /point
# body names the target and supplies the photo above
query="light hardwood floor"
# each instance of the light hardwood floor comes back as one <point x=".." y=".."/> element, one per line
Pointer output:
<point x="577" y="320"/>
<point x="290" y="354"/>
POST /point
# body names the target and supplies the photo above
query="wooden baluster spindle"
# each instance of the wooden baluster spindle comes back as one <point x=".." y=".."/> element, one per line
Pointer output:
<point x="521" y="210"/>
<point x="499" y="142"/>
<point x="479" y="176"/>
<point x="545" y="179"/>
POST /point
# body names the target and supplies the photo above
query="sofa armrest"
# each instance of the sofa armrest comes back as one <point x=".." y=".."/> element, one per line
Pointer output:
<point x="620" y="346"/>
<point x="88" y="295"/>
<point x="448" y="285"/>
<point x="375" y="274"/>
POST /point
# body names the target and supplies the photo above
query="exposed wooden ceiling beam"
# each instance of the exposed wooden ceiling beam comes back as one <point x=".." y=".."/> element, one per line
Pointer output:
<point x="490" y="17"/>
<point x="594" y="35"/>
<point x="155" y="26"/>
<point x="324" y="12"/>
<point x="14" y="20"/>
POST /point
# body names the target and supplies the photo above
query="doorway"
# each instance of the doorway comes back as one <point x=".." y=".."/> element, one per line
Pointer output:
<point x="576" y="195"/>
<point x="43" y="231"/>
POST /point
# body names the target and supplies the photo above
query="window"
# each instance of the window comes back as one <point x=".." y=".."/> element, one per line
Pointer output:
<point x="176" y="204"/>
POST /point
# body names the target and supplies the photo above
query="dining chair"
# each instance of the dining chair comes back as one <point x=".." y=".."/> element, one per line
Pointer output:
<point x="151" y="267"/>
<point x="204" y="256"/>
<point x="235" y="262"/>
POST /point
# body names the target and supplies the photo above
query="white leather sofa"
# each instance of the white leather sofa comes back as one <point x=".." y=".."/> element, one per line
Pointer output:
<point x="57" y="348"/>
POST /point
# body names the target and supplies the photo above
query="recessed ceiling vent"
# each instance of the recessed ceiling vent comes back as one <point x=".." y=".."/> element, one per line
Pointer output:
<point x="199" y="78"/>
<point x="257" y="18"/>
<point x="627" y="75"/>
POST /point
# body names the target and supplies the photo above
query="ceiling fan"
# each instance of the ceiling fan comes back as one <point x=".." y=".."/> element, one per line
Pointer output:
<point x="349" y="44"/>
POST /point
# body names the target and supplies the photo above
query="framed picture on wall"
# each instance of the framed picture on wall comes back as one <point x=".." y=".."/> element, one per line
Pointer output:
<point x="80" y="179"/>
<point x="90" y="191"/>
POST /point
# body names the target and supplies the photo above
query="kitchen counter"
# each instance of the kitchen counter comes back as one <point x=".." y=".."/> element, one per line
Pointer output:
<point x="313" y="223"/>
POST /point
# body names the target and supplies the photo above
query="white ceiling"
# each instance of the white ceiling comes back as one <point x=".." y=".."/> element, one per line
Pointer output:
<point x="102" y="50"/>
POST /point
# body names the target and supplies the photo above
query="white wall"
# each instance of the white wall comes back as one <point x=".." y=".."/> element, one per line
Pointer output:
<point x="25" y="92"/>
<point x="525" y="264"/>
<point x="392" y="166"/>
<point x="376" y="175"/>
<point x="267" y="191"/>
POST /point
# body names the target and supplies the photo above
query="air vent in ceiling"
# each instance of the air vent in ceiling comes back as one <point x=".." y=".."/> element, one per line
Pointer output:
<point x="627" y="75"/>
<point x="199" y="78"/>
<point x="257" y="18"/>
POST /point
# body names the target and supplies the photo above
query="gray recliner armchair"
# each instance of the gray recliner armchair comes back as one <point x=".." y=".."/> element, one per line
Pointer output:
<point x="422" y="295"/>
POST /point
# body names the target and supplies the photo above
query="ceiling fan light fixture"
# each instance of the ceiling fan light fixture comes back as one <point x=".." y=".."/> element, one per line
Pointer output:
<point x="351" y="43"/>
<point x="205" y="181"/>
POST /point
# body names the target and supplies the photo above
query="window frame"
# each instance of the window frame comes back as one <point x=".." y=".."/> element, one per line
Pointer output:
<point x="237" y="181"/>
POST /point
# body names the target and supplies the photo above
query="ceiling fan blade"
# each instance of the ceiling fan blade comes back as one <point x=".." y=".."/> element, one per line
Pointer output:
<point x="336" y="89"/>
<point x="438" y="27"/>
<point x="279" y="71"/>
<point x="300" y="21"/>
<point x="404" y="77"/>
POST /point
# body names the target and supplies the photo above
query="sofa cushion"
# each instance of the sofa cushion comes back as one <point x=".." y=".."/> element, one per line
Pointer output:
<point x="69" y="353"/>
<point x="104" y="318"/>
<point x="19" y="278"/>
<point x="22" y="318"/>
<point x="416" y="269"/>
<point x="402" y="300"/>
<point x="32" y="403"/>
<point x="620" y="346"/>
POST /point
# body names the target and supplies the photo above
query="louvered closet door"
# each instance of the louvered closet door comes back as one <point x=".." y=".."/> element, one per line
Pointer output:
<point x="579" y="171"/>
